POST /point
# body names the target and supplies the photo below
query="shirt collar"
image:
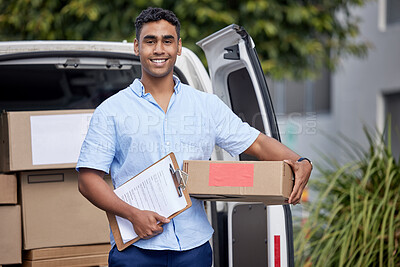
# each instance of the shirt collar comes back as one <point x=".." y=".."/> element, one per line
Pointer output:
<point x="138" y="88"/>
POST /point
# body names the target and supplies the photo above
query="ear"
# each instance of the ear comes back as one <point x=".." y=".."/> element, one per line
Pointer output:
<point x="179" y="47"/>
<point x="136" y="47"/>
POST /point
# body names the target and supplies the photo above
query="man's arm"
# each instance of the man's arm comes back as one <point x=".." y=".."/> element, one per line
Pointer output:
<point x="96" y="190"/>
<point x="267" y="148"/>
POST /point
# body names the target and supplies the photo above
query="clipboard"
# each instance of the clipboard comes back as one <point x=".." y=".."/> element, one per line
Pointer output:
<point x="179" y="178"/>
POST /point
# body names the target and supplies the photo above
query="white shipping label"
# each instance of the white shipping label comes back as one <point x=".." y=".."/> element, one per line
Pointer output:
<point x="57" y="139"/>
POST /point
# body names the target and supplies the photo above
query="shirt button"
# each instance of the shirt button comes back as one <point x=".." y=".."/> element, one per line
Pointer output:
<point x="167" y="143"/>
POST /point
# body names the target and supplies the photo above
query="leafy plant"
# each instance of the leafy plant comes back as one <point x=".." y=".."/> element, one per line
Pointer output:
<point x="355" y="221"/>
<point x="294" y="39"/>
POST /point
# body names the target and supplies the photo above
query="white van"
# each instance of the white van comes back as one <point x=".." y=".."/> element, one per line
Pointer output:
<point x="48" y="75"/>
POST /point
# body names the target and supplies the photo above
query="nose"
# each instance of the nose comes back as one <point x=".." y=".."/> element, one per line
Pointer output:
<point x="159" y="48"/>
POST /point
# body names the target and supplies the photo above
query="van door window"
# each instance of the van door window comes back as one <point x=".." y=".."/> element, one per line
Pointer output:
<point x="244" y="101"/>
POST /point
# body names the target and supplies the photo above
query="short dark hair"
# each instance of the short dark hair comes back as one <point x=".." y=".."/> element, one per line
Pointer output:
<point x="155" y="14"/>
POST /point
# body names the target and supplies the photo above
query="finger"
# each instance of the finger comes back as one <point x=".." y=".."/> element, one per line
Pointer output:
<point x="295" y="197"/>
<point x="299" y="193"/>
<point x="294" y="192"/>
<point x="143" y="235"/>
<point x="159" y="230"/>
<point x="156" y="228"/>
<point x="294" y="200"/>
<point x="298" y="197"/>
<point x="153" y="232"/>
<point x="149" y="234"/>
<point x="161" y="219"/>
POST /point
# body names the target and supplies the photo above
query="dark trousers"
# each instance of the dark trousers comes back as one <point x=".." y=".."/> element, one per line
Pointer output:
<point x="136" y="257"/>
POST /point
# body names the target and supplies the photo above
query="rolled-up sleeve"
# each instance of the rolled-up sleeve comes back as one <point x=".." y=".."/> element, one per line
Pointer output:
<point x="98" y="148"/>
<point x="232" y="134"/>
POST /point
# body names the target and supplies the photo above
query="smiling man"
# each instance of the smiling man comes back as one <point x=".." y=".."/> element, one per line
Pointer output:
<point x="154" y="116"/>
<point x="158" y="44"/>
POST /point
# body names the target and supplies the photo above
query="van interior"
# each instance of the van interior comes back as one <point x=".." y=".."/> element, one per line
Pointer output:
<point x="30" y="85"/>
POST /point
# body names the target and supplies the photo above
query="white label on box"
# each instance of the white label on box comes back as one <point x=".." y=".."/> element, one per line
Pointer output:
<point x="57" y="139"/>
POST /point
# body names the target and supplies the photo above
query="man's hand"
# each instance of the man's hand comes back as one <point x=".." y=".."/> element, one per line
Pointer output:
<point x="147" y="224"/>
<point x="302" y="171"/>
<point x="267" y="148"/>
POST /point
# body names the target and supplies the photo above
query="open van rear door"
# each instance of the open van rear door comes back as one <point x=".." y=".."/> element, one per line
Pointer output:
<point x="237" y="78"/>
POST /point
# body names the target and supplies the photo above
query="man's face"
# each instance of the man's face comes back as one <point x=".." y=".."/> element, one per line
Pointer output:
<point x="158" y="48"/>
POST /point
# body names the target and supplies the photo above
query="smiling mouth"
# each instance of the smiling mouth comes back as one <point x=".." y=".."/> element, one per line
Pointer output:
<point x="158" y="60"/>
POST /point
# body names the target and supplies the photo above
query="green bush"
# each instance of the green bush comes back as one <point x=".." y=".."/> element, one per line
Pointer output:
<point x="355" y="220"/>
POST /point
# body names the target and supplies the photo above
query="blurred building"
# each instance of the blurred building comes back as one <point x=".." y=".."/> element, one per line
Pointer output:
<point x="361" y="92"/>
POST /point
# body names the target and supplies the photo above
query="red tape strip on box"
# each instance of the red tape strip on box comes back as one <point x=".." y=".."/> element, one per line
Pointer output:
<point x="231" y="174"/>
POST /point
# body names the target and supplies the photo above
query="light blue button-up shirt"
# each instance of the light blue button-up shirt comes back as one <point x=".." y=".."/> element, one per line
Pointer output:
<point x="129" y="131"/>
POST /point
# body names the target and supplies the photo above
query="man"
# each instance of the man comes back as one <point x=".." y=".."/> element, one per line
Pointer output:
<point x="152" y="117"/>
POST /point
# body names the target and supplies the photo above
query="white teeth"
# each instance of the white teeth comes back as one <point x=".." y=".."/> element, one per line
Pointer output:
<point x="159" y="60"/>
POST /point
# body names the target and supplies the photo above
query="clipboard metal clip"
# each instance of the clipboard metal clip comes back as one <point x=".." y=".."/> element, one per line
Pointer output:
<point x="180" y="179"/>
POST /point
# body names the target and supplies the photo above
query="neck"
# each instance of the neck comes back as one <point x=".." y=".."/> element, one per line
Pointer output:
<point x="158" y="85"/>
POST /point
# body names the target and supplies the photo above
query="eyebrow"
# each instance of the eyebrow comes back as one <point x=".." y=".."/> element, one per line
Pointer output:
<point x="168" y="37"/>
<point x="154" y="37"/>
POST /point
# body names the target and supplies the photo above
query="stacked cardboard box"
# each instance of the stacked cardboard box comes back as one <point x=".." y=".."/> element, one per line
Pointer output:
<point x="8" y="189"/>
<point x="10" y="221"/>
<point x="39" y="151"/>
<point x="92" y="255"/>
<point x="54" y="213"/>
<point x="41" y="140"/>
